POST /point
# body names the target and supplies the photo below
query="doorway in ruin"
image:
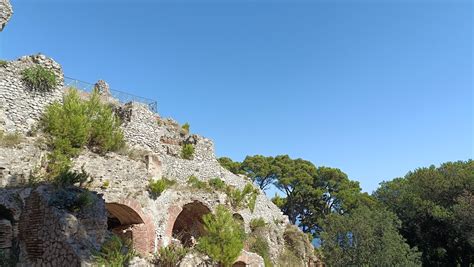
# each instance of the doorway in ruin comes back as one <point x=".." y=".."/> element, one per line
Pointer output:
<point x="7" y="239"/>
<point x="121" y="219"/>
<point x="239" y="264"/>
<point x="189" y="225"/>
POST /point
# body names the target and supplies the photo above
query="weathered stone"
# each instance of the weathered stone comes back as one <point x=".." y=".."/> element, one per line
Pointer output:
<point x="6" y="11"/>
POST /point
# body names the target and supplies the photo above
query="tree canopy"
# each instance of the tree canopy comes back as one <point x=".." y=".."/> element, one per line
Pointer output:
<point x="435" y="206"/>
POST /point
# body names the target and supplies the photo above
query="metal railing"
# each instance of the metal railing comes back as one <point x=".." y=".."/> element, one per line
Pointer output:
<point x="121" y="96"/>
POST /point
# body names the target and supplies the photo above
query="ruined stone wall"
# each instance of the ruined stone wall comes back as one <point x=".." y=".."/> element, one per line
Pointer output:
<point x="17" y="163"/>
<point x="47" y="236"/>
<point x="21" y="106"/>
<point x="121" y="177"/>
<point x="6" y="11"/>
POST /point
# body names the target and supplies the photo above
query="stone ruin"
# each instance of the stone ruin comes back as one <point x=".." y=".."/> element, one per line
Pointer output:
<point x="40" y="234"/>
<point x="6" y="11"/>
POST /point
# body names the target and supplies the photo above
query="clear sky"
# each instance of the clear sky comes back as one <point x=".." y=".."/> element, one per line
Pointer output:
<point x="375" y="88"/>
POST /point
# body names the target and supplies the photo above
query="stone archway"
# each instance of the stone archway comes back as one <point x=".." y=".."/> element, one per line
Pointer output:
<point x="239" y="264"/>
<point x="125" y="218"/>
<point x="189" y="225"/>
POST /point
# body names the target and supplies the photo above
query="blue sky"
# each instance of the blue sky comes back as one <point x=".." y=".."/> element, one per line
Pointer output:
<point x="375" y="88"/>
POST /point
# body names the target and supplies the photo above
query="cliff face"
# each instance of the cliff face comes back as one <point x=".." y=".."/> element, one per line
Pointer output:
<point x="121" y="179"/>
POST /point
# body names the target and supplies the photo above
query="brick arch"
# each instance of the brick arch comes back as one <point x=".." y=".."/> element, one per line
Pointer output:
<point x="128" y="220"/>
<point x="185" y="222"/>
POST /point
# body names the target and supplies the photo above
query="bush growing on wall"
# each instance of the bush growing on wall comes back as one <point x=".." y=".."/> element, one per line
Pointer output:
<point x="170" y="256"/>
<point x="39" y="78"/>
<point x="187" y="151"/>
<point x="114" y="252"/>
<point x="157" y="187"/>
<point x="224" y="239"/>
<point x="76" y="123"/>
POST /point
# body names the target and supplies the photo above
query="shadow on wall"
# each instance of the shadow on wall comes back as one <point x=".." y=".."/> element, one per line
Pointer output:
<point x="189" y="225"/>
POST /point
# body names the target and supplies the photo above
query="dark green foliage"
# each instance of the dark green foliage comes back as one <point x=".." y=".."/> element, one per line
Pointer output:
<point x="366" y="237"/>
<point x="114" y="252"/>
<point x="3" y="63"/>
<point x="72" y="199"/>
<point x="279" y="201"/>
<point x="170" y="256"/>
<point x="217" y="184"/>
<point x="224" y="239"/>
<point x="255" y="224"/>
<point x="242" y="198"/>
<point x="105" y="132"/>
<point x="262" y="170"/>
<point x="157" y="187"/>
<point x="77" y="123"/>
<point x="232" y="166"/>
<point x="39" y="78"/>
<point x="187" y="151"/>
<point x="70" y="178"/>
<point x="435" y="205"/>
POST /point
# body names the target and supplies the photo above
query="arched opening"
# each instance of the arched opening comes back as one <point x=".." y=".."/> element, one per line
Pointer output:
<point x="239" y="264"/>
<point x="120" y="219"/>
<point x="189" y="225"/>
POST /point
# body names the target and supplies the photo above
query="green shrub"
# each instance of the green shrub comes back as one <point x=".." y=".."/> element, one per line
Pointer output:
<point x="217" y="184"/>
<point x="259" y="245"/>
<point x="114" y="252"/>
<point x="72" y="199"/>
<point x="159" y="186"/>
<point x="105" y="184"/>
<point x="224" y="237"/>
<point x="39" y="78"/>
<point x="194" y="182"/>
<point x="10" y="139"/>
<point x="185" y="128"/>
<point x="70" y="178"/>
<point x="105" y="132"/>
<point x="243" y="198"/>
<point x="170" y="256"/>
<point x="76" y="123"/>
<point x="187" y="151"/>
<point x="257" y="223"/>
<point x="252" y="200"/>
<point x="3" y="63"/>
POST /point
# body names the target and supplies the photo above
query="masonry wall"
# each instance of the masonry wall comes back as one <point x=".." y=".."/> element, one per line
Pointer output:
<point x="21" y="106"/>
<point x="47" y="236"/>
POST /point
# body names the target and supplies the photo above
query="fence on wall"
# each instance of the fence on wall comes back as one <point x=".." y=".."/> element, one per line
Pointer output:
<point x="121" y="96"/>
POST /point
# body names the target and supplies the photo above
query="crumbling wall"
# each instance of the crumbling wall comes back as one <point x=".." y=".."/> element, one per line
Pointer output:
<point x="48" y="236"/>
<point x="21" y="106"/>
<point x="17" y="164"/>
<point x="6" y="11"/>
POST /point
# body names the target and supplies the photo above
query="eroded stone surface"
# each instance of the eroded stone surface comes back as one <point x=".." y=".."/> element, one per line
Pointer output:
<point x="6" y="11"/>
